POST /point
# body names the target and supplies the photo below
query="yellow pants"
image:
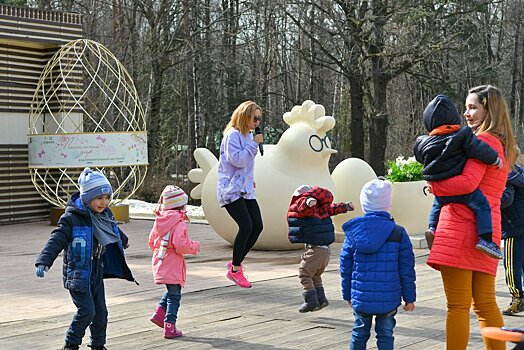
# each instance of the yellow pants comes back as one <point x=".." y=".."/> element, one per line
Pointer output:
<point x="466" y="288"/>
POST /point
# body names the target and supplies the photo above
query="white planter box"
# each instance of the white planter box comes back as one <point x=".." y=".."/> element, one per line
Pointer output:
<point x="411" y="207"/>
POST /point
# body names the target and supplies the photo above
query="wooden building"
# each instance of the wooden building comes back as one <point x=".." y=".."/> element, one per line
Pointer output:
<point x="28" y="39"/>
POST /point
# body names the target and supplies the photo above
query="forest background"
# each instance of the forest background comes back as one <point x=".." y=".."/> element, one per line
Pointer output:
<point x="373" y="64"/>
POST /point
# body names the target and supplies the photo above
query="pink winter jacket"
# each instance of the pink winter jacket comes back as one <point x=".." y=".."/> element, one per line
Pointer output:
<point x="171" y="269"/>
<point x="456" y="233"/>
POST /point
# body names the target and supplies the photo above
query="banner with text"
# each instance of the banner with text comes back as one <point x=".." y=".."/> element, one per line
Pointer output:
<point x="78" y="150"/>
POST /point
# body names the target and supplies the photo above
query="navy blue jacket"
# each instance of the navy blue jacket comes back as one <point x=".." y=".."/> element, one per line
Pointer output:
<point x="377" y="265"/>
<point x="444" y="156"/>
<point x="74" y="235"/>
<point x="311" y="231"/>
<point x="512" y="204"/>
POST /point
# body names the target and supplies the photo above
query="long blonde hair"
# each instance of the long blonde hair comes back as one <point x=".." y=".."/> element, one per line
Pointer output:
<point x="497" y="121"/>
<point x="241" y="116"/>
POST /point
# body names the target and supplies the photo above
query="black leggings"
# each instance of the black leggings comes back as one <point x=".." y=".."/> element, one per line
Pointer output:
<point x="246" y="214"/>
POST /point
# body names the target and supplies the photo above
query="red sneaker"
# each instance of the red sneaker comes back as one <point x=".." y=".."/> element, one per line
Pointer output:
<point x="239" y="278"/>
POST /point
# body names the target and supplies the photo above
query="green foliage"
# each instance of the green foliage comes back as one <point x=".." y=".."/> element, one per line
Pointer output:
<point x="404" y="170"/>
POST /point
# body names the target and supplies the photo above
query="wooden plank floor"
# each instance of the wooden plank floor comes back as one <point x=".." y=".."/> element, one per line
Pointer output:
<point x="214" y="314"/>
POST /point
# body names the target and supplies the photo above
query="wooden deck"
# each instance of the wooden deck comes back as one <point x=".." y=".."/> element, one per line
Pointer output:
<point x="214" y="314"/>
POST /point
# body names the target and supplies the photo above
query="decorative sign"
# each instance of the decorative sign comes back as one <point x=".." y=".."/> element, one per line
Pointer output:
<point x="78" y="150"/>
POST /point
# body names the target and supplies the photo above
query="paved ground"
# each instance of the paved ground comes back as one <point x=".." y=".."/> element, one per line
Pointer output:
<point x="214" y="314"/>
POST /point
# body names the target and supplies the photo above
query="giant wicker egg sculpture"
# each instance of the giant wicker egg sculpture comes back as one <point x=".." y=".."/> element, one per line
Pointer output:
<point x="86" y="112"/>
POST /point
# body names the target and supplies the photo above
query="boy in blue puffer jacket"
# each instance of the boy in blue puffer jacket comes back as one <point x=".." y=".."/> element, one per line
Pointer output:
<point x="93" y="248"/>
<point x="377" y="266"/>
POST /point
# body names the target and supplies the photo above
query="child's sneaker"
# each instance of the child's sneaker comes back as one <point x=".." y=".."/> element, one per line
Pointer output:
<point x="516" y="306"/>
<point x="490" y="248"/>
<point x="229" y="265"/>
<point x="430" y="237"/>
<point x="239" y="278"/>
<point x="158" y="317"/>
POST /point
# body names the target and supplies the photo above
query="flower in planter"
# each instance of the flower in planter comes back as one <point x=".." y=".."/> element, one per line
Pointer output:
<point x="404" y="170"/>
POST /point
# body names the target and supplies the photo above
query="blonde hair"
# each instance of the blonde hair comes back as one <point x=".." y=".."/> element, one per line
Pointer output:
<point x="241" y="116"/>
<point x="497" y="121"/>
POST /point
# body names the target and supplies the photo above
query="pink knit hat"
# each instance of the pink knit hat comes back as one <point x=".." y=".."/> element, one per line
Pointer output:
<point x="173" y="197"/>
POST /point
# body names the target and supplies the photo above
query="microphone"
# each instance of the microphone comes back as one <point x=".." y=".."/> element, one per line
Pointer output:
<point x="260" y="145"/>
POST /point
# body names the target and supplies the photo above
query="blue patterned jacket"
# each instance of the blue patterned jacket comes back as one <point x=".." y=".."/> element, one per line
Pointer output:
<point x="74" y="235"/>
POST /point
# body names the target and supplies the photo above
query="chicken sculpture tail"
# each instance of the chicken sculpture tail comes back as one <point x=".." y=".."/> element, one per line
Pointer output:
<point x="205" y="160"/>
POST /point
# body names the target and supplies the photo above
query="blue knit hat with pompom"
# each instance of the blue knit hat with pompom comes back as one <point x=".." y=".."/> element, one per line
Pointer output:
<point x="93" y="184"/>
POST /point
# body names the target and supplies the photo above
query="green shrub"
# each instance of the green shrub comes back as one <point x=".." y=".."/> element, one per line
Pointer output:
<point x="404" y="170"/>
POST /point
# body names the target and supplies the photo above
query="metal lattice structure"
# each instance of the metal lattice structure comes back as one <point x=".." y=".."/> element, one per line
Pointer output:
<point x="85" y="89"/>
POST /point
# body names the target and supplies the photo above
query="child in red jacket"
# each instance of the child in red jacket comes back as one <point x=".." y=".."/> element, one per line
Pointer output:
<point x="309" y="219"/>
<point x="168" y="240"/>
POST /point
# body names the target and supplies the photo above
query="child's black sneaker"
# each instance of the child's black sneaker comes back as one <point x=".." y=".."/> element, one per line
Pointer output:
<point x="490" y="248"/>
<point x="97" y="347"/>
<point x="516" y="306"/>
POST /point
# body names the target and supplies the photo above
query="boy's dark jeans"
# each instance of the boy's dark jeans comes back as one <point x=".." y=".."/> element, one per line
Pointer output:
<point x="91" y="310"/>
<point x="384" y="325"/>
<point x="475" y="200"/>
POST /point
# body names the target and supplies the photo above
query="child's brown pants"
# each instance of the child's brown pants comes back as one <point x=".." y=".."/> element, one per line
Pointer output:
<point x="314" y="261"/>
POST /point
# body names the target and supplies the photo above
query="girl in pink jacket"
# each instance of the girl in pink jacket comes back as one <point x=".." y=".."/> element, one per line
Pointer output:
<point x="168" y="240"/>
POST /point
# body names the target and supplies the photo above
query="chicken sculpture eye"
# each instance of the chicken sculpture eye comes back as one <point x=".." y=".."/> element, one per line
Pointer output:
<point x="317" y="143"/>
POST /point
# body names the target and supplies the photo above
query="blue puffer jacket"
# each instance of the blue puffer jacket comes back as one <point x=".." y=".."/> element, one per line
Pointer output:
<point x="512" y="204"/>
<point x="74" y="235"/>
<point x="377" y="265"/>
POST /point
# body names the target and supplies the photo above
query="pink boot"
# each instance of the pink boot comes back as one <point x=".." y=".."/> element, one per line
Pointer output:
<point x="170" y="331"/>
<point x="158" y="317"/>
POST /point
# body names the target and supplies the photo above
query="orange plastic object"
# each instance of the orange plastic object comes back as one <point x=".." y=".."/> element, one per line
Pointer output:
<point x="499" y="334"/>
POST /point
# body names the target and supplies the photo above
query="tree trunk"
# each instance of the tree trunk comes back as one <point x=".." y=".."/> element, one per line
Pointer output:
<point x="378" y="132"/>
<point x="154" y="110"/>
<point x="190" y="91"/>
<point x="514" y="73"/>
<point x="378" y="128"/>
<point x="358" y="112"/>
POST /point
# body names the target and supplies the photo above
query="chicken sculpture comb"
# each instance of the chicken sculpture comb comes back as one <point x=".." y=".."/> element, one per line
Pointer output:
<point x="311" y="113"/>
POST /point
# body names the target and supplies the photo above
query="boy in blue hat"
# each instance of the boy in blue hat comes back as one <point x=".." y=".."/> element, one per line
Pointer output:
<point x="93" y="248"/>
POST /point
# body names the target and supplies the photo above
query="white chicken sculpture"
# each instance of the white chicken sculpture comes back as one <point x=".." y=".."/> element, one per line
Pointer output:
<point x="301" y="156"/>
